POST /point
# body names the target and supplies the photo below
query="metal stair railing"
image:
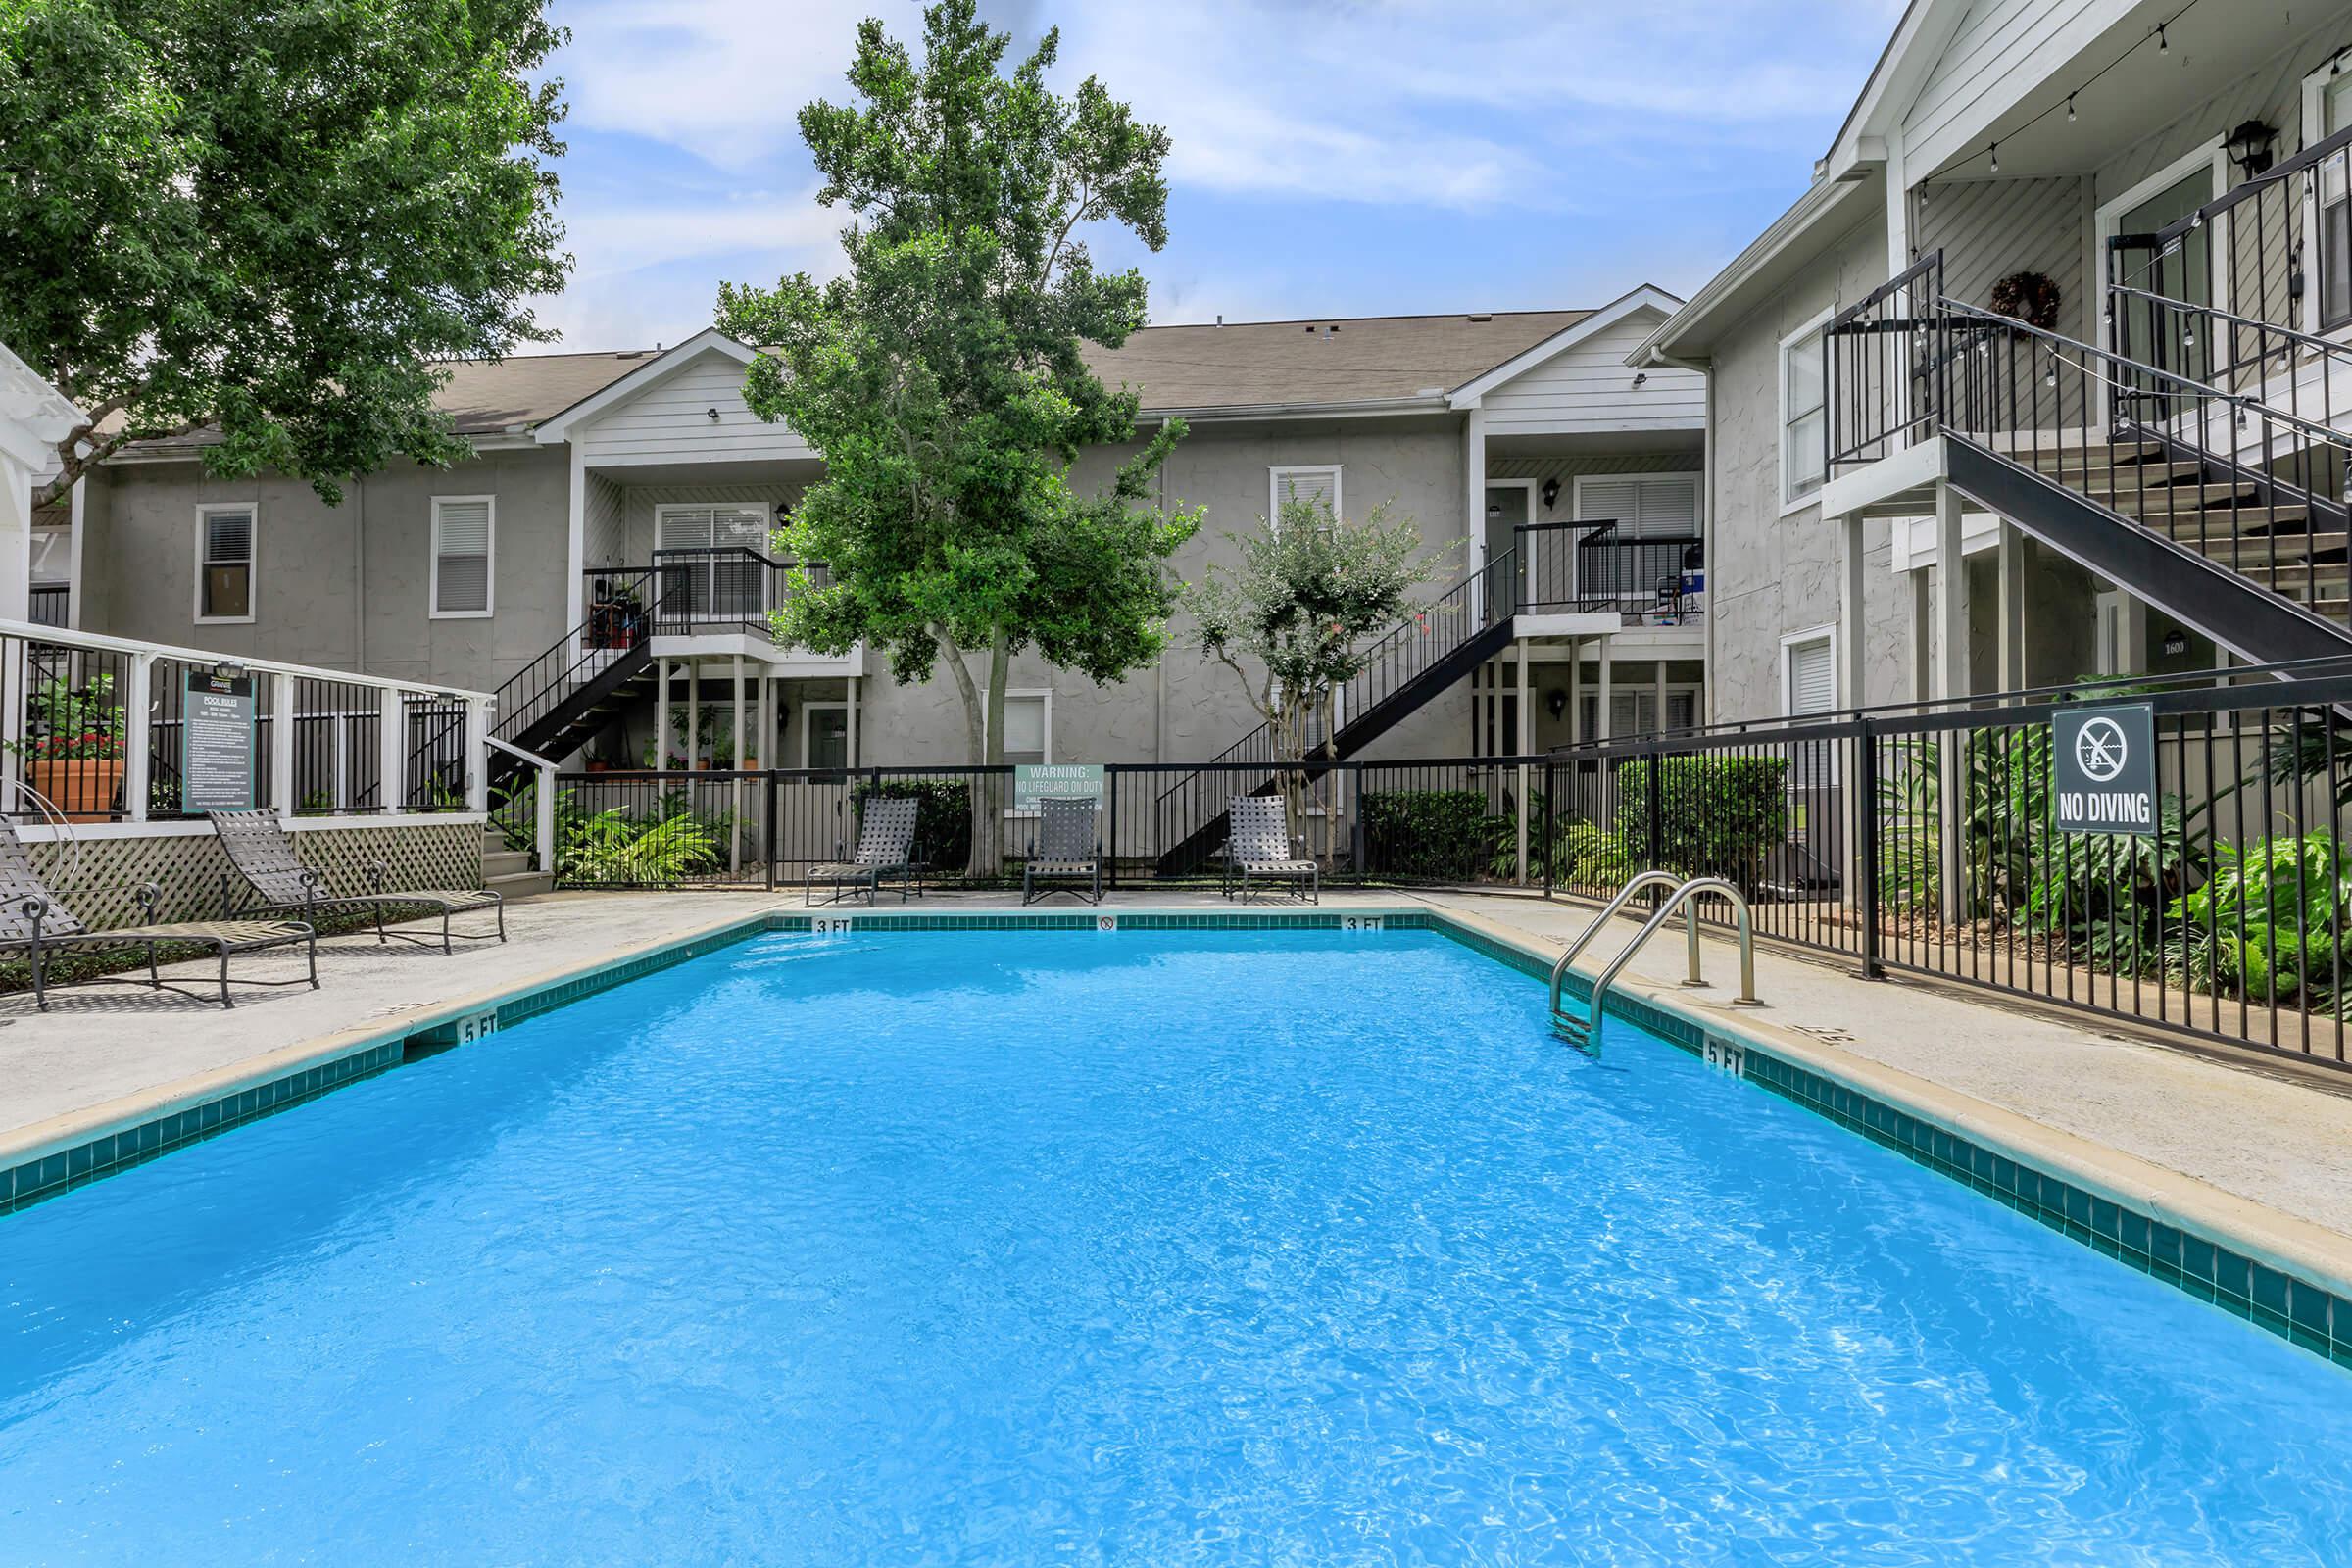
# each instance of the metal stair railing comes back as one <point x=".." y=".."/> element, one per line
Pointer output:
<point x="619" y="622"/>
<point x="1585" y="1032"/>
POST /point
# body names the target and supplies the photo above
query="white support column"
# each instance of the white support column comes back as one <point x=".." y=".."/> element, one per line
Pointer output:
<point x="138" y="756"/>
<point x="282" y="798"/>
<point x="735" y="788"/>
<point x="2012" y="564"/>
<point x="392" y="754"/>
<point x="1474" y="501"/>
<point x="694" y="719"/>
<point x="575" y="537"/>
<point x="1951" y="597"/>
<point x="662" y="722"/>
<point x="1657" y="701"/>
<point x="15" y="539"/>
<point x="767" y="757"/>
<point x="1853" y="688"/>
<point x="1917" y="629"/>
<point x="1521" y="744"/>
<point x="543" y="818"/>
<point x="854" y="759"/>
<point x="477" y="754"/>
<point x="1602" y="719"/>
<point x="1576" y="690"/>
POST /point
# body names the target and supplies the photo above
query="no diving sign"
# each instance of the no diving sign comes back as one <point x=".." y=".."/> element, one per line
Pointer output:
<point x="2105" y="769"/>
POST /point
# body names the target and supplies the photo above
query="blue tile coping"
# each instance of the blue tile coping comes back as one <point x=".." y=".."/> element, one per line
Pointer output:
<point x="2297" y="1309"/>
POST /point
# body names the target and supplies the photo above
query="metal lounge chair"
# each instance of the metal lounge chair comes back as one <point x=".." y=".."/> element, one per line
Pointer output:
<point x="277" y="880"/>
<point x="1069" y="848"/>
<point x="1260" y="848"/>
<point x="885" y="846"/>
<point x="35" y="919"/>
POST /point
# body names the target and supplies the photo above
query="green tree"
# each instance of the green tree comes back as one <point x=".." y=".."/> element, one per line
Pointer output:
<point x="1295" y="619"/>
<point x="942" y="376"/>
<point x="272" y="219"/>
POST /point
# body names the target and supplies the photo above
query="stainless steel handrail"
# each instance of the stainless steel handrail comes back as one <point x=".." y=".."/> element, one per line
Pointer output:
<point x="1682" y="897"/>
<point x="1584" y="939"/>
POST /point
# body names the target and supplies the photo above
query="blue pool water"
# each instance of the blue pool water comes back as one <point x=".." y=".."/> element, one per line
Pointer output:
<point x="1195" y="1247"/>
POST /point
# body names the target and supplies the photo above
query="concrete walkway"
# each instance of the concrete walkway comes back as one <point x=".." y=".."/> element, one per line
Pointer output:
<point x="2278" y="1138"/>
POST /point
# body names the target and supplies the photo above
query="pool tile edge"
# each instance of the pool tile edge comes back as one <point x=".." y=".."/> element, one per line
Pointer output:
<point x="2224" y="1249"/>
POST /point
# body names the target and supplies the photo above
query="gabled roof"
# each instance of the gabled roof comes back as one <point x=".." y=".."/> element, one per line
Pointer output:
<point x="1647" y="298"/>
<point x="649" y="370"/>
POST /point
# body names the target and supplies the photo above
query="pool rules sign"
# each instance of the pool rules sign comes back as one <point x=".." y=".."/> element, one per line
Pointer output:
<point x="2104" y="775"/>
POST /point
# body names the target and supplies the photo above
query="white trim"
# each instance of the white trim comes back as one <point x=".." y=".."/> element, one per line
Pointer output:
<point x="1646" y="297"/>
<point x="558" y="426"/>
<point x="808" y="728"/>
<point x="1275" y="475"/>
<point x="1044" y="692"/>
<point x="1780" y="411"/>
<point x="253" y="564"/>
<point x="34" y="832"/>
<point x="2315" y="131"/>
<point x="1826" y="632"/>
<point x="432" y="545"/>
<point x="2107" y="215"/>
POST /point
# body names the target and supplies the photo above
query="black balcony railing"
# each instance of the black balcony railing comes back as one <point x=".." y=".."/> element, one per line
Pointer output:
<point x="1883" y="359"/>
<point x="727" y="588"/>
<point x="1587" y="567"/>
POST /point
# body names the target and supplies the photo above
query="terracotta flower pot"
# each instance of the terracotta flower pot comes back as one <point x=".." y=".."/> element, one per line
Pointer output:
<point x="83" y="788"/>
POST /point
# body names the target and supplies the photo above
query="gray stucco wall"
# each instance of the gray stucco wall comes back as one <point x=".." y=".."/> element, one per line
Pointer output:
<point x="343" y="586"/>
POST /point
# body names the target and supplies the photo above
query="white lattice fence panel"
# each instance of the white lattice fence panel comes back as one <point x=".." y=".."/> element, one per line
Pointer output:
<point x="96" y="876"/>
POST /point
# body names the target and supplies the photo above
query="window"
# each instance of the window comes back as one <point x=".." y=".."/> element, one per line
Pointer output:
<point x="461" y="573"/>
<point x="716" y="586"/>
<point x="1634" y="710"/>
<point x="1653" y="507"/>
<point x="1028" y="727"/>
<point x="1804" y="413"/>
<point x="2327" y="111"/>
<point x="1310" y="485"/>
<point x="1809" y="673"/>
<point x="225" y="562"/>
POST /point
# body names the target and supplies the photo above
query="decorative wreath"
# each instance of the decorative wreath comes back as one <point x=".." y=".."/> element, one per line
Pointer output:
<point x="2028" y="297"/>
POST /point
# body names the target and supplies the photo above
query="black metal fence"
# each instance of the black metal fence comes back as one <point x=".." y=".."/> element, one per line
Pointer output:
<point x="1925" y="840"/>
<point x="1446" y="823"/>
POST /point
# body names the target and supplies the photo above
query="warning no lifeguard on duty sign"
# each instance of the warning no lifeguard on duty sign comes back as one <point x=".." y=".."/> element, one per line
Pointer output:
<point x="2105" y="772"/>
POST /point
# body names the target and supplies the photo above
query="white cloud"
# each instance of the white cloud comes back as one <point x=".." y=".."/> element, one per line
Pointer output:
<point x="623" y="238"/>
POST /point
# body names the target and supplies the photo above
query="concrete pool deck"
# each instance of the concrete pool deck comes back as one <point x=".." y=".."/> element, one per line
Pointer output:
<point x="2267" y="1147"/>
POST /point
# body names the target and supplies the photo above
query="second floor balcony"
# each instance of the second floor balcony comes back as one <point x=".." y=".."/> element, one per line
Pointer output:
<point x="701" y="602"/>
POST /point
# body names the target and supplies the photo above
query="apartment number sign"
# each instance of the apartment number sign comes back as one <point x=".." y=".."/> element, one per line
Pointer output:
<point x="2103" y="775"/>
<point x="217" y="735"/>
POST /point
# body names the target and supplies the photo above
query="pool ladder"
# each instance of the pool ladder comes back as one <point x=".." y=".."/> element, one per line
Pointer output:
<point x="1584" y="1032"/>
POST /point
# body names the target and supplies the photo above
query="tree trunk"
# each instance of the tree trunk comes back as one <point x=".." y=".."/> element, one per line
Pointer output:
<point x="991" y="793"/>
<point x="975" y="733"/>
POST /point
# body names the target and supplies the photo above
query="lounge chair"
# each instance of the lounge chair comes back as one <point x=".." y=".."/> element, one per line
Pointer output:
<point x="36" y="920"/>
<point x="1068" y="849"/>
<point x="885" y="846"/>
<point x="1260" y="848"/>
<point x="275" y="879"/>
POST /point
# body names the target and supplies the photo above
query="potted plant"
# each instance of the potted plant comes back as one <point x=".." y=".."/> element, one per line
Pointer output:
<point x="75" y="756"/>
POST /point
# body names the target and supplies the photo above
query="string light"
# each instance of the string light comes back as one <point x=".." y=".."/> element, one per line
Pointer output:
<point x="1996" y="157"/>
<point x="2070" y="107"/>
<point x="2163" y="42"/>
<point x="2164" y="46"/>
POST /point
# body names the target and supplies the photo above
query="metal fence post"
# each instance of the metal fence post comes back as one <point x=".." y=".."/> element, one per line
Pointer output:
<point x="768" y="824"/>
<point x="1110" y="854"/>
<point x="1866" y="815"/>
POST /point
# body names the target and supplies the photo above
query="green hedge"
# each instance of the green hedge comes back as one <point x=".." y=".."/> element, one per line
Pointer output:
<point x="942" y="823"/>
<point x="1445" y="835"/>
<point x="1720" y="815"/>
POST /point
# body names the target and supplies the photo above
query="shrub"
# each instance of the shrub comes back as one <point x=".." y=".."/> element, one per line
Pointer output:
<point x="1440" y="834"/>
<point x="1720" y="815"/>
<point x="943" y="821"/>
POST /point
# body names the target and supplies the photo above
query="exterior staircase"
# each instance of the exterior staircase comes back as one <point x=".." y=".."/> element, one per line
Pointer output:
<point x="1432" y="649"/>
<point x="562" y="699"/>
<point x="2224" y="511"/>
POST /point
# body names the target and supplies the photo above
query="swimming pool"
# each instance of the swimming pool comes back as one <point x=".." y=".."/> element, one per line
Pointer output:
<point x="1156" y="1248"/>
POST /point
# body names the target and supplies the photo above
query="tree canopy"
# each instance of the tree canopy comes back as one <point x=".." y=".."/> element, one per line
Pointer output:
<point x="272" y="219"/>
<point x="942" y="376"/>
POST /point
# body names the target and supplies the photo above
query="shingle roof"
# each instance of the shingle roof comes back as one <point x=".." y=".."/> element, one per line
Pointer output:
<point x="1246" y="364"/>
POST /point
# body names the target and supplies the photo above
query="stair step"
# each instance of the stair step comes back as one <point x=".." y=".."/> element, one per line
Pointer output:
<point x="520" y="885"/>
<point x="2098" y="476"/>
<point x="2169" y="500"/>
<point x="503" y="861"/>
<point x="2069" y="445"/>
<point x="2253" y="553"/>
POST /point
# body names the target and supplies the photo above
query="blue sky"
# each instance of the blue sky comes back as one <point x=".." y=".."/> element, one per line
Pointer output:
<point x="1340" y="159"/>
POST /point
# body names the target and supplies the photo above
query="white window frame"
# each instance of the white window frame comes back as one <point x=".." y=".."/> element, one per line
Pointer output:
<point x="2315" y="131"/>
<point x="808" y="713"/>
<point x="432" y="545"/>
<point x="253" y="564"/>
<point x="1046" y="693"/>
<point x="1274" y="478"/>
<point x="1828" y="633"/>
<point x="1780" y="404"/>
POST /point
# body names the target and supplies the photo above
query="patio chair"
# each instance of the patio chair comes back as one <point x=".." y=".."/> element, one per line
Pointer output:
<point x="885" y="846"/>
<point x="1069" y="848"/>
<point x="261" y="857"/>
<point x="1260" y="848"/>
<point x="34" y="918"/>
